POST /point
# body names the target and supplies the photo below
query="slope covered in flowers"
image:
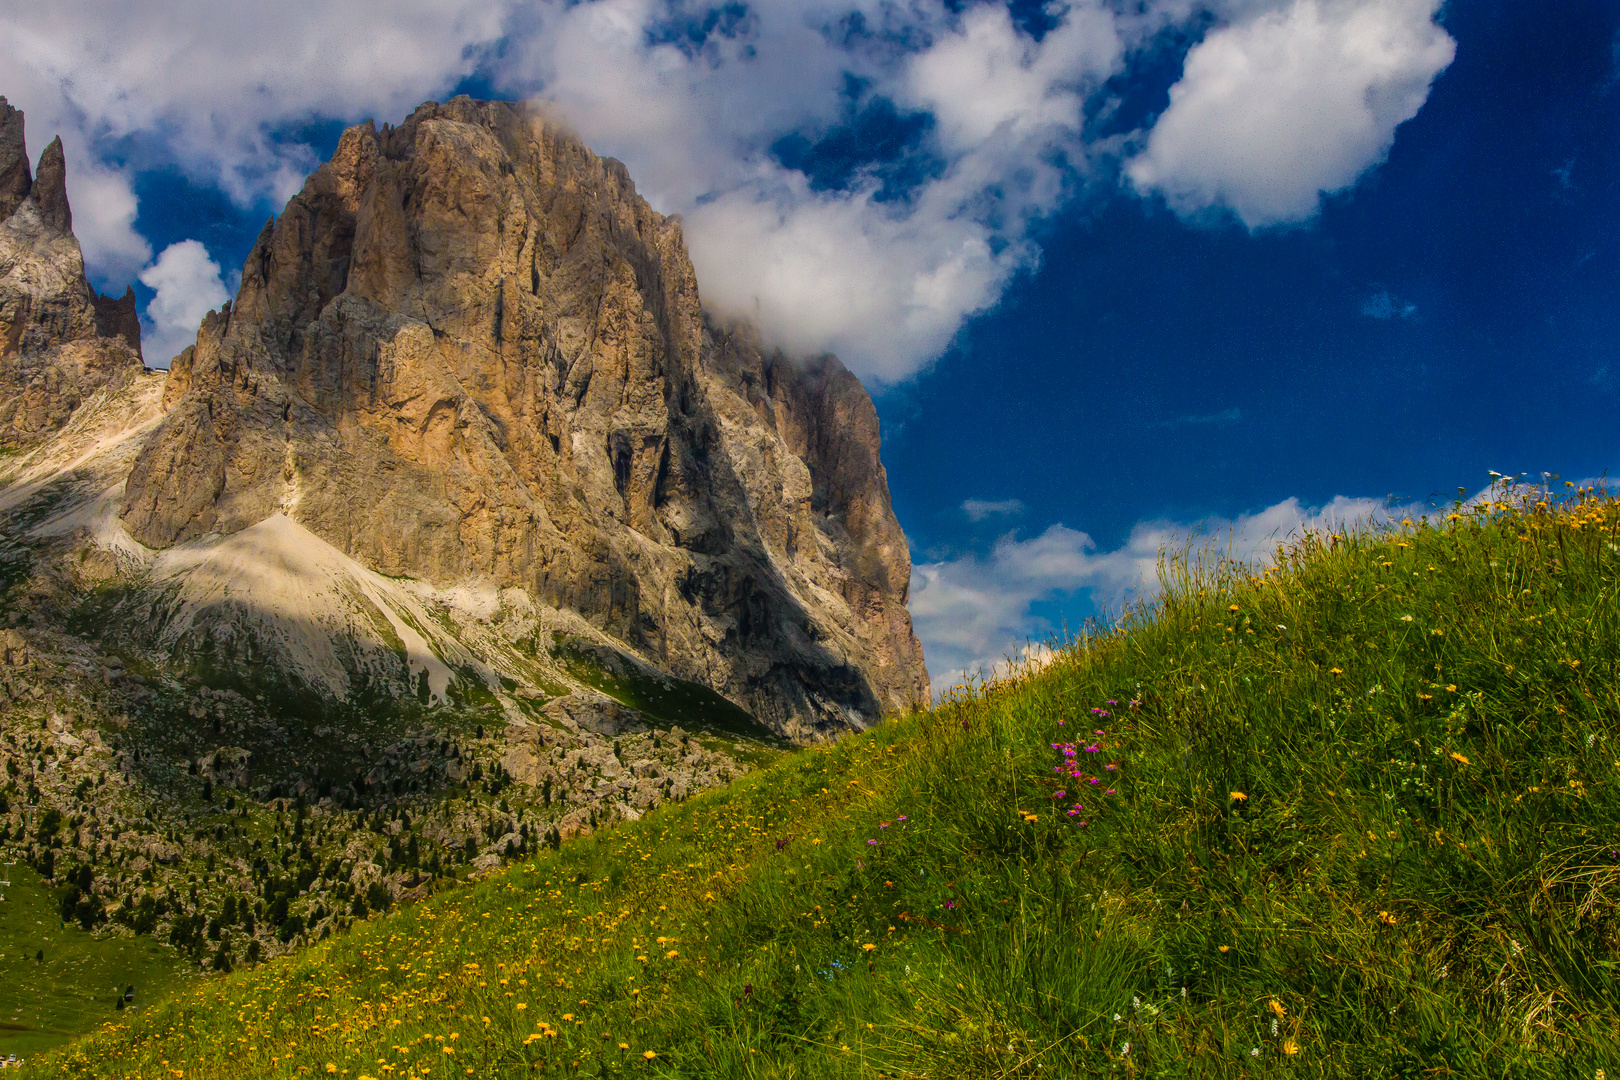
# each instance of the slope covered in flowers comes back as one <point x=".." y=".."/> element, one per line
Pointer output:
<point x="1354" y="816"/>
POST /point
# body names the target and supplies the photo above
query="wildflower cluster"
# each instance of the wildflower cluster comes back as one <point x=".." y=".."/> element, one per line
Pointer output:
<point x="1074" y="767"/>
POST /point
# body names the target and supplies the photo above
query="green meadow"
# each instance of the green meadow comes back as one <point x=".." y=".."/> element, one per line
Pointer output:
<point x="1356" y="816"/>
<point x="56" y="981"/>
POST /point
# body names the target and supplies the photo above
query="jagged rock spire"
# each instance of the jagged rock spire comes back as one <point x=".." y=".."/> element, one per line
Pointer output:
<point x="50" y="189"/>
<point x="60" y="341"/>
<point x="15" y="180"/>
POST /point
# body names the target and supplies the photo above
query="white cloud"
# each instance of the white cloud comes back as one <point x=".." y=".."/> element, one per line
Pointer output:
<point x="104" y="205"/>
<point x="1271" y="112"/>
<point x="979" y="509"/>
<point x="986" y="78"/>
<point x="188" y="286"/>
<point x="974" y="612"/>
<point x="214" y="80"/>
<point x="1284" y="97"/>
<point x="886" y="285"/>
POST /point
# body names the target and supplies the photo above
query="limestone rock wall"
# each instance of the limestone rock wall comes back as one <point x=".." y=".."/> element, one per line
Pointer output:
<point x="469" y="351"/>
<point x="60" y="341"/>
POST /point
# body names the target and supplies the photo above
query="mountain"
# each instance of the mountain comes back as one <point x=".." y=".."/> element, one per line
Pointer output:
<point x="460" y="531"/>
<point x="469" y="354"/>
<point x="60" y="340"/>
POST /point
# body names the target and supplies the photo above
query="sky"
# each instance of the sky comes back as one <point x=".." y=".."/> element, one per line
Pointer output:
<point x="1116" y="272"/>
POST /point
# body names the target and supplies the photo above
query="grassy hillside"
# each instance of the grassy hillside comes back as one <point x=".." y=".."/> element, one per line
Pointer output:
<point x="1352" y="817"/>
<point x="56" y="981"/>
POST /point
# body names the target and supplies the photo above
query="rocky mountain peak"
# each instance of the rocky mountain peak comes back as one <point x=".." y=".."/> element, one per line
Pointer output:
<point x="468" y="353"/>
<point x="60" y="340"/>
<point x="15" y="179"/>
<point x="50" y="189"/>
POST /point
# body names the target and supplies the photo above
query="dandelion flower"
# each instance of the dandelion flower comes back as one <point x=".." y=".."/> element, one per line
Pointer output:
<point x="1290" y="1047"/>
<point x="1459" y="759"/>
<point x="1238" y="796"/>
<point x="1226" y="948"/>
<point x="1386" y="918"/>
<point x="1277" y="1007"/>
<point x="649" y="1054"/>
<point x="868" y="947"/>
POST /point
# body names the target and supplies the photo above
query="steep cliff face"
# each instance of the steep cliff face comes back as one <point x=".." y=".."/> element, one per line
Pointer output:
<point x="60" y="341"/>
<point x="469" y="353"/>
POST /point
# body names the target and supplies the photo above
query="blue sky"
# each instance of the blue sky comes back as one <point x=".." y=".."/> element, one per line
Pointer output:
<point x="1114" y="272"/>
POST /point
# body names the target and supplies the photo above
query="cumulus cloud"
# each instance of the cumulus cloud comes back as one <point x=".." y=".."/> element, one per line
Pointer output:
<point x="884" y="282"/>
<point x="1283" y="98"/>
<point x="980" y="509"/>
<point x="188" y="286"/>
<point x="104" y="205"/>
<point x="975" y="612"/>
<point x="215" y="82"/>
<point x="1274" y="111"/>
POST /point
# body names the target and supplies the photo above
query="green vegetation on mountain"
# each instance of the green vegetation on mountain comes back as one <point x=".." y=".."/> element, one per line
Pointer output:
<point x="56" y="980"/>
<point x="1354" y="816"/>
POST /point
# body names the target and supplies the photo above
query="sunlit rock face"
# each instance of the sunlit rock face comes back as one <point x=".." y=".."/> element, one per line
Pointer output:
<point x="60" y="341"/>
<point x="468" y="353"/>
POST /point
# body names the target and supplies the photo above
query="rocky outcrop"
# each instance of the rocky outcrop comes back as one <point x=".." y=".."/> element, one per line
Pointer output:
<point x="15" y="180"/>
<point x="469" y="353"/>
<point x="60" y="341"/>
